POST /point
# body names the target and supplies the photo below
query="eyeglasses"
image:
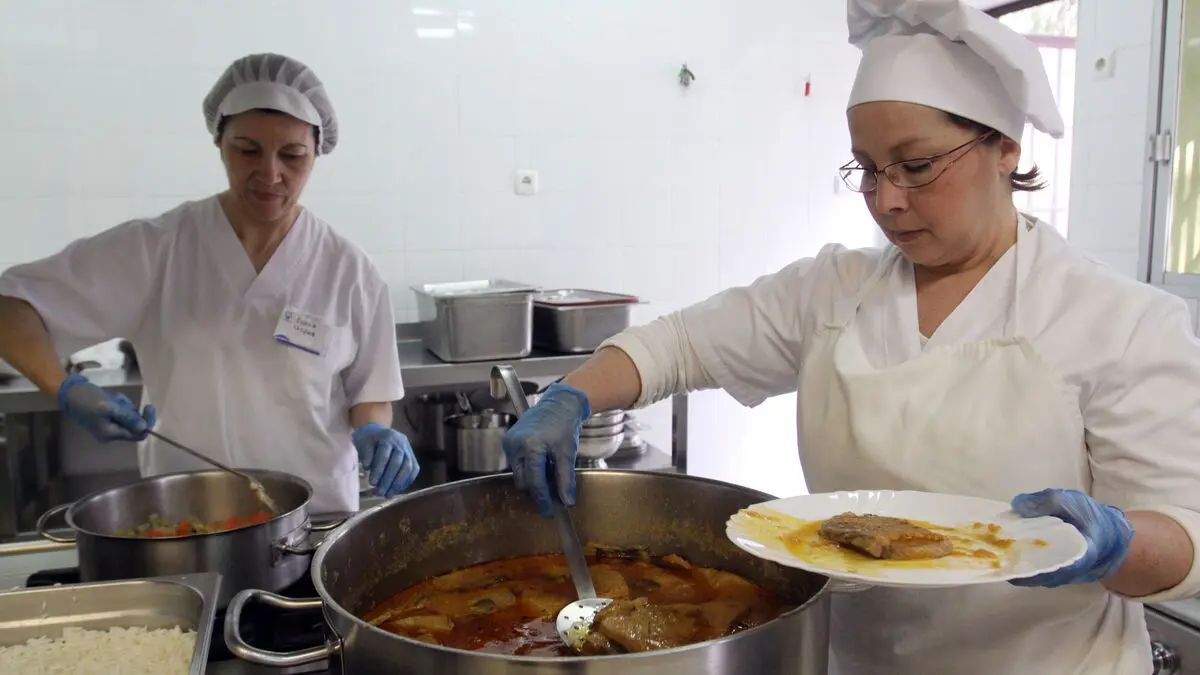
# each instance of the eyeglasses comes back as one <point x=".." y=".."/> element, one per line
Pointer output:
<point x="909" y="173"/>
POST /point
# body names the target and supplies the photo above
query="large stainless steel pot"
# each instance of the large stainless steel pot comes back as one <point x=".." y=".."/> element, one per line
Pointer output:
<point x="383" y="550"/>
<point x="270" y="555"/>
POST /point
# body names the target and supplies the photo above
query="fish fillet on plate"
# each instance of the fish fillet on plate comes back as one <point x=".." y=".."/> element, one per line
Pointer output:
<point x="906" y="539"/>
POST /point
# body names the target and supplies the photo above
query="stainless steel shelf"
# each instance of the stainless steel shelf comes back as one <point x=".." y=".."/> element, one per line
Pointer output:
<point x="420" y="369"/>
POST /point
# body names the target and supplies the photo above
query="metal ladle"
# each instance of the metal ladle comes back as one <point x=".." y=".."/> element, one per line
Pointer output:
<point x="575" y="620"/>
<point x="255" y="485"/>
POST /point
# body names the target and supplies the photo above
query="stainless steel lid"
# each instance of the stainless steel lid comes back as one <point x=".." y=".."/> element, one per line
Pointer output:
<point x="458" y="289"/>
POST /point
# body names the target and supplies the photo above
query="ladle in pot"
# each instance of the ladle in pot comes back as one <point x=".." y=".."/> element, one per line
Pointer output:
<point x="575" y="620"/>
<point x="255" y="485"/>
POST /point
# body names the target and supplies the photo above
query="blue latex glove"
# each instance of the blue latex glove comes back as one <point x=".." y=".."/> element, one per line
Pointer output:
<point x="546" y="438"/>
<point x="1107" y="531"/>
<point x="388" y="456"/>
<point x="107" y="416"/>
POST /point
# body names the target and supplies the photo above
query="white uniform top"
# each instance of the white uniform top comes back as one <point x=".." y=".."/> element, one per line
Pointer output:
<point x="182" y="289"/>
<point x="1103" y="359"/>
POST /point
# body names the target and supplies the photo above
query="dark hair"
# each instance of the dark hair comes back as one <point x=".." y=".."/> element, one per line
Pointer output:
<point x="270" y="111"/>
<point x="1021" y="181"/>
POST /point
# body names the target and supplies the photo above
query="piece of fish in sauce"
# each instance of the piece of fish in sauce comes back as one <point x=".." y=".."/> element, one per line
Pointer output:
<point x="422" y="624"/>
<point x="638" y="626"/>
<point x="885" y="537"/>
<point x="661" y="585"/>
<point x="468" y="579"/>
<point x="463" y="603"/>
<point x="609" y="582"/>
<point x="542" y="605"/>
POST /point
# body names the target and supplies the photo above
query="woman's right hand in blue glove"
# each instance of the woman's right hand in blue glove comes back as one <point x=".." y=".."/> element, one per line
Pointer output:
<point x="107" y="416"/>
<point x="545" y="439"/>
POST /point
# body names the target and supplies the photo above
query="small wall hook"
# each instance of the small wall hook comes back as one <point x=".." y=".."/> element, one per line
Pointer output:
<point x="686" y="76"/>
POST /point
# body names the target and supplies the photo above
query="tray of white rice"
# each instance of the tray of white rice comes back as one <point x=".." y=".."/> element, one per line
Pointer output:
<point x="155" y="626"/>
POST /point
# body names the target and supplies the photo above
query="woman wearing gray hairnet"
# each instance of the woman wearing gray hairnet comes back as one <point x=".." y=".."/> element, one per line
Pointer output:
<point x="266" y="338"/>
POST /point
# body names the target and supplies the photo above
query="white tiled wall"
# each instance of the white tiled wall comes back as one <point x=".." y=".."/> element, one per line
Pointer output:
<point x="646" y="188"/>
<point x="1110" y="136"/>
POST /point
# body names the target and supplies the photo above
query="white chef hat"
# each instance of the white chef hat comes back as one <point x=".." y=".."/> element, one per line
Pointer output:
<point x="273" y="82"/>
<point x="953" y="57"/>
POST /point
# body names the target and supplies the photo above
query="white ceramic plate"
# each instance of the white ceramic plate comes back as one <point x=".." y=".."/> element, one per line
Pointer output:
<point x="1019" y="548"/>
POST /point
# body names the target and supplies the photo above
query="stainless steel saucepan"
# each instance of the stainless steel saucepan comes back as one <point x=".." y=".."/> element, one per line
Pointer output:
<point x="273" y="554"/>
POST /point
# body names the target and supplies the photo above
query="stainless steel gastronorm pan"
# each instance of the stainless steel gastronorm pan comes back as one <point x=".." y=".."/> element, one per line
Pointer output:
<point x="189" y="602"/>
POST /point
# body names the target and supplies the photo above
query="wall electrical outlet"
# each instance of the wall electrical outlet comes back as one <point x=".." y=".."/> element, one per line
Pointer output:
<point x="527" y="182"/>
<point x="1104" y="67"/>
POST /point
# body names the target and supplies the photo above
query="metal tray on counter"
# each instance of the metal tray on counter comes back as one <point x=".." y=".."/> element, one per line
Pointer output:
<point x="188" y="602"/>
<point x="576" y="320"/>
<point x="485" y="320"/>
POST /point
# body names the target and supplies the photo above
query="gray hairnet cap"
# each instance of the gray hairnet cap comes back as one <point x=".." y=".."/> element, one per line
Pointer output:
<point x="273" y="82"/>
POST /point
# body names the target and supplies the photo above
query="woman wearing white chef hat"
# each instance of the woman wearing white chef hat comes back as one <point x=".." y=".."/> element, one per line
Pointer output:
<point x="979" y="354"/>
<point x="265" y="338"/>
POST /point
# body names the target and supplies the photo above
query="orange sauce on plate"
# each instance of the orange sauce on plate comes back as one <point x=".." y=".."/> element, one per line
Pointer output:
<point x="977" y="546"/>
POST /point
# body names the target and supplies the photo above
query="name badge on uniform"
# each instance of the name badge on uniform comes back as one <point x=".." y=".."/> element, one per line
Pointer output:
<point x="301" y="330"/>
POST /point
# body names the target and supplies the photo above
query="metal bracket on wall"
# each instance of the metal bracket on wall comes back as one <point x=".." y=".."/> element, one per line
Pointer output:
<point x="686" y="76"/>
<point x="1161" y="148"/>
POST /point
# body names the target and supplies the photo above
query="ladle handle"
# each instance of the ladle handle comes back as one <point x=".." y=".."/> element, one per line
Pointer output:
<point x="203" y="458"/>
<point x="572" y="549"/>
<point x="504" y="380"/>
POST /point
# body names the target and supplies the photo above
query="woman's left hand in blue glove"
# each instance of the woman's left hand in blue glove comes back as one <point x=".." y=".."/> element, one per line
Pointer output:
<point x="388" y="457"/>
<point x="1107" y="531"/>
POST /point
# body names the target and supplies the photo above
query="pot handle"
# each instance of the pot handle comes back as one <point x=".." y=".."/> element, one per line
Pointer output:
<point x="309" y="549"/>
<point x="45" y="518"/>
<point x="325" y="527"/>
<point x="241" y="649"/>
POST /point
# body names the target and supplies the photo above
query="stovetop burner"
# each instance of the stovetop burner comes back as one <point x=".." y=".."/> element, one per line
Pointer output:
<point x="267" y="628"/>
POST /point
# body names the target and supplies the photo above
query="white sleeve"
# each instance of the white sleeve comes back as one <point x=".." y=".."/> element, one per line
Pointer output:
<point x="1143" y="427"/>
<point x="374" y="375"/>
<point x="94" y="290"/>
<point x="745" y="340"/>
<point x="665" y="359"/>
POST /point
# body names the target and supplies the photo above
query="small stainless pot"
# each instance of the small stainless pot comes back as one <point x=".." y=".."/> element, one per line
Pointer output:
<point x="424" y="414"/>
<point x="475" y="440"/>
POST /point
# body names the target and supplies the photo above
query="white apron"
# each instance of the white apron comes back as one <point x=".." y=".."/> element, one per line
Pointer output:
<point x="967" y="419"/>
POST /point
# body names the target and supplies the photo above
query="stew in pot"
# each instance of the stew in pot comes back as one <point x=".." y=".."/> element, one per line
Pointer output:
<point x="158" y="527"/>
<point x="509" y="606"/>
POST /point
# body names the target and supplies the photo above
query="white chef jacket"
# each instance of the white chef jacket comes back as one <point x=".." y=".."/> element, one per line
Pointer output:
<point x="182" y="289"/>
<point x="1126" y="350"/>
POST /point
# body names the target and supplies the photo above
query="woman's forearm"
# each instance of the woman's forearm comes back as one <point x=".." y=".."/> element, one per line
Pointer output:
<point x="610" y="379"/>
<point x="365" y="413"/>
<point x="1160" y="556"/>
<point x="643" y="365"/>
<point x="25" y="344"/>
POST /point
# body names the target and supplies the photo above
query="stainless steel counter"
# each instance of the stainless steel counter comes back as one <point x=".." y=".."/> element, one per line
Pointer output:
<point x="420" y="368"/>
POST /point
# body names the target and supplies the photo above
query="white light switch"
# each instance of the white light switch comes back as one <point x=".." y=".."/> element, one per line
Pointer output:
<point x="527" y="182"/>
